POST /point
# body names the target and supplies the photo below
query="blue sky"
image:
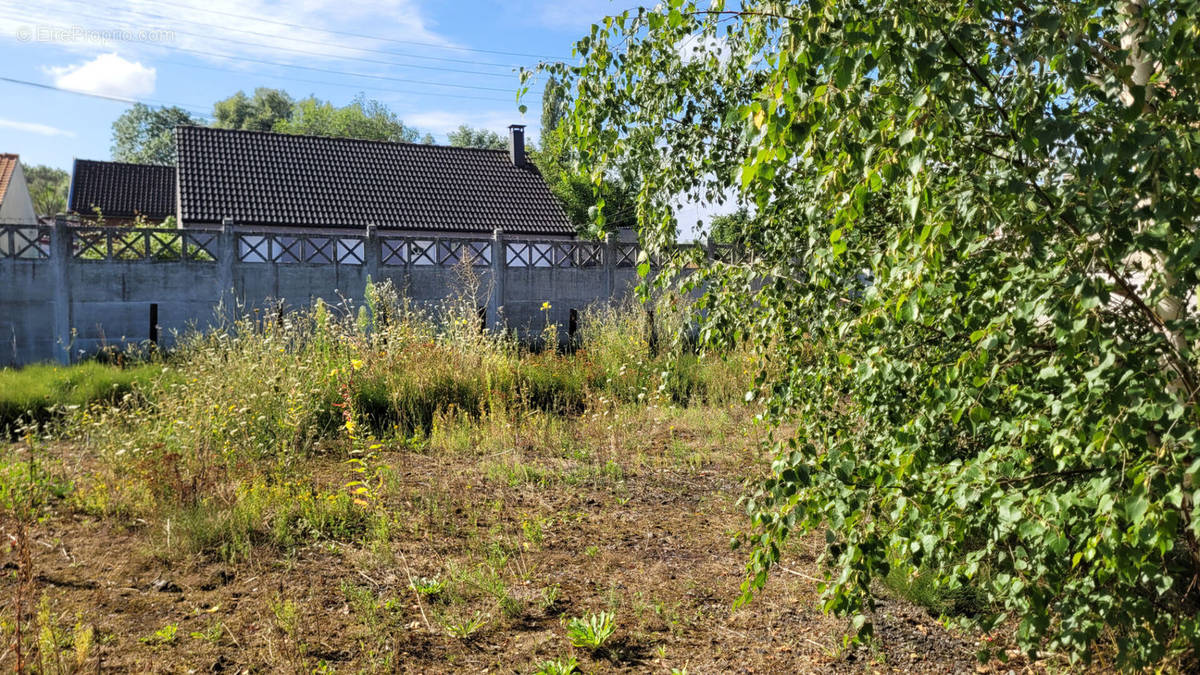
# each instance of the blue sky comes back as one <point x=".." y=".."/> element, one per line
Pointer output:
<point x="437" y="64"/>
<point x="194" y="52"/>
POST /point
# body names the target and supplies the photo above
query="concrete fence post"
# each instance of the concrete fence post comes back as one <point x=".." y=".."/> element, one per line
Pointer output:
<point x="609" y="260"/>
<point x="60" y="260"/>
<point x="372" y="253"/>
<point x="227" y="255"/>
<point x="496" y="288"/>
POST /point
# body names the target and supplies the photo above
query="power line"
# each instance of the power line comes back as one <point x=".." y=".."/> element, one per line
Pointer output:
<point x="358" y="35"/>
<point x="118" y="99"/>
<point x="424" y="57"/>
<point x="292" y="50"/>
<point x="346" y="85"/>
<point x="247" y="59"/>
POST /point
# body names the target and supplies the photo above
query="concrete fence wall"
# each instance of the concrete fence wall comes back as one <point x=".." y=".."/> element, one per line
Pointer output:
<point x="66" y="291"/>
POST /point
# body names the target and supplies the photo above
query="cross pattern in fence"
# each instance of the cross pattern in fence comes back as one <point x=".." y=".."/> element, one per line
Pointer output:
<point x="300" y="248"/>
<point x="625" y="255"/>
<point x="31" y="242"/>
<point x="730" y="254"/>
<point x="25" y="242"/>
<point x="553" y="254"/>
<point x="443" y="252"/>
<point x="128" y="244"/>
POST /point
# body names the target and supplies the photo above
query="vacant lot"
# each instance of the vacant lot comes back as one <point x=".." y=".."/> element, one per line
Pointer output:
<point x="329" y="495"/>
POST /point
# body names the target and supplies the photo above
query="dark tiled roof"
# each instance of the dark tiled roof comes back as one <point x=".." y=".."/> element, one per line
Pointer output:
<point x="259" y="178"/>
<point x="123" y="190"/>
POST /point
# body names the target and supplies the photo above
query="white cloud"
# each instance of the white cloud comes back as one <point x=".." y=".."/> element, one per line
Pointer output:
<point x="237" y="28"/>
<point x="34" y="128"/>
<point x="107" y="74"/>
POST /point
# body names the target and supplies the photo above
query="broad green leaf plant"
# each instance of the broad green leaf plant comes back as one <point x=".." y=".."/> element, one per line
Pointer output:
<point x="972" y="283"/>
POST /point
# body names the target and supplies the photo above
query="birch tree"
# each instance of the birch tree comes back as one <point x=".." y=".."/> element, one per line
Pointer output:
<point x="973" y="290"/>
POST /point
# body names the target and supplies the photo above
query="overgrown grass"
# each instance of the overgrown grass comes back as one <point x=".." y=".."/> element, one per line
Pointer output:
<point x="34" y="394"/>
<point x="452" y="488"/>
<point x="918" y="587"/>
<point x="211" y="438"/>
<point x="280" y="515"/>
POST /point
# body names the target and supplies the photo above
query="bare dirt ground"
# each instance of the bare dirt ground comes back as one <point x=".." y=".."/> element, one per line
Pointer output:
<point x="523" y="541"/>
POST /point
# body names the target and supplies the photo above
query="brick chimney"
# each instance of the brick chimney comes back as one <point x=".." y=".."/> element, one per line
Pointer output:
<point x="516" y="144"/>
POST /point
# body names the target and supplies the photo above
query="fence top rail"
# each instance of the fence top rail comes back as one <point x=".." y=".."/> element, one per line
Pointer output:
<point x="117" y="230"/>
<point x="104" y="242"/>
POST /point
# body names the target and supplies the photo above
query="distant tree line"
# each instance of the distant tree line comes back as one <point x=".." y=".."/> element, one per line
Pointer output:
<point x="142" y="134"/>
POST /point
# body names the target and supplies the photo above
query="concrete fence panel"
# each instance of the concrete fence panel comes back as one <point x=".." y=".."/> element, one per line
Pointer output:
<point x="66" y="291"/>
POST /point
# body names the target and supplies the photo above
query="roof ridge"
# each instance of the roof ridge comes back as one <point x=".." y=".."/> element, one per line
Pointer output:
<point x="138" y="164"/>
<point x="338" y="138"/>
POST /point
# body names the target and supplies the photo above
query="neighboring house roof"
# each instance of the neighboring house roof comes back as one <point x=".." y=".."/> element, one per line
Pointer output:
<point x="8" y="166"/>
<point x="122" y="190"/>
<point x="261" y="178"/>
<point x="16" y="204"/>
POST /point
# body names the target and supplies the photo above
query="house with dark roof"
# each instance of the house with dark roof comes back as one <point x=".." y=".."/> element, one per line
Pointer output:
<point x="264" y="180"/>
<point x="268" y="181"/>
<point x="122" y="192"/>
<point x="16" y="205"/>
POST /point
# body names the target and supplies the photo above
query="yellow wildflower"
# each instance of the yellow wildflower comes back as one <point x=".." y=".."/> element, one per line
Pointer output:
<point x="356" y="363"/>
<point x="546" y="306"/>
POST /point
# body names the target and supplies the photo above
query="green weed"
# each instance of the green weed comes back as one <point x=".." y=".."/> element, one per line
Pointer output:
<point x="465" y="628"/>
<point x="592" y="631"/>
<point x="563" y="666"/>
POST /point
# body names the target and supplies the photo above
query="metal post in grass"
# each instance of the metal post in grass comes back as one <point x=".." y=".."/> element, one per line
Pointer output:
<point x="372" y="255"/>
<point x="496" y="287"/>
<point x="60" y="260"/>
<point x="609" y="261"/>
<point x="226" y="257"/>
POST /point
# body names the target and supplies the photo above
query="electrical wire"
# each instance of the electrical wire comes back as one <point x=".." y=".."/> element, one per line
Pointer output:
<point x="246" y="59"/>
<point x="360" y="35"/>
<point x="305" y="52"/>
<point x="118" y="99"/>
<point x="424" y="57"/>
<point x="345" y="85"/>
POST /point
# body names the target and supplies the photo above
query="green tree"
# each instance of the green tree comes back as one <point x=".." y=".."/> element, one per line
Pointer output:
<point x="554" y="105"/>
<point x="584" y="200"/>
<point x="260" y="112"/>
<point x="145" y="135"/>
<point x="468" y="137"/>
<point x="48" y="186"/>
<point x="972" y="296"/>
<point x="362" y="118"/>
<point x="729" y="228"/>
